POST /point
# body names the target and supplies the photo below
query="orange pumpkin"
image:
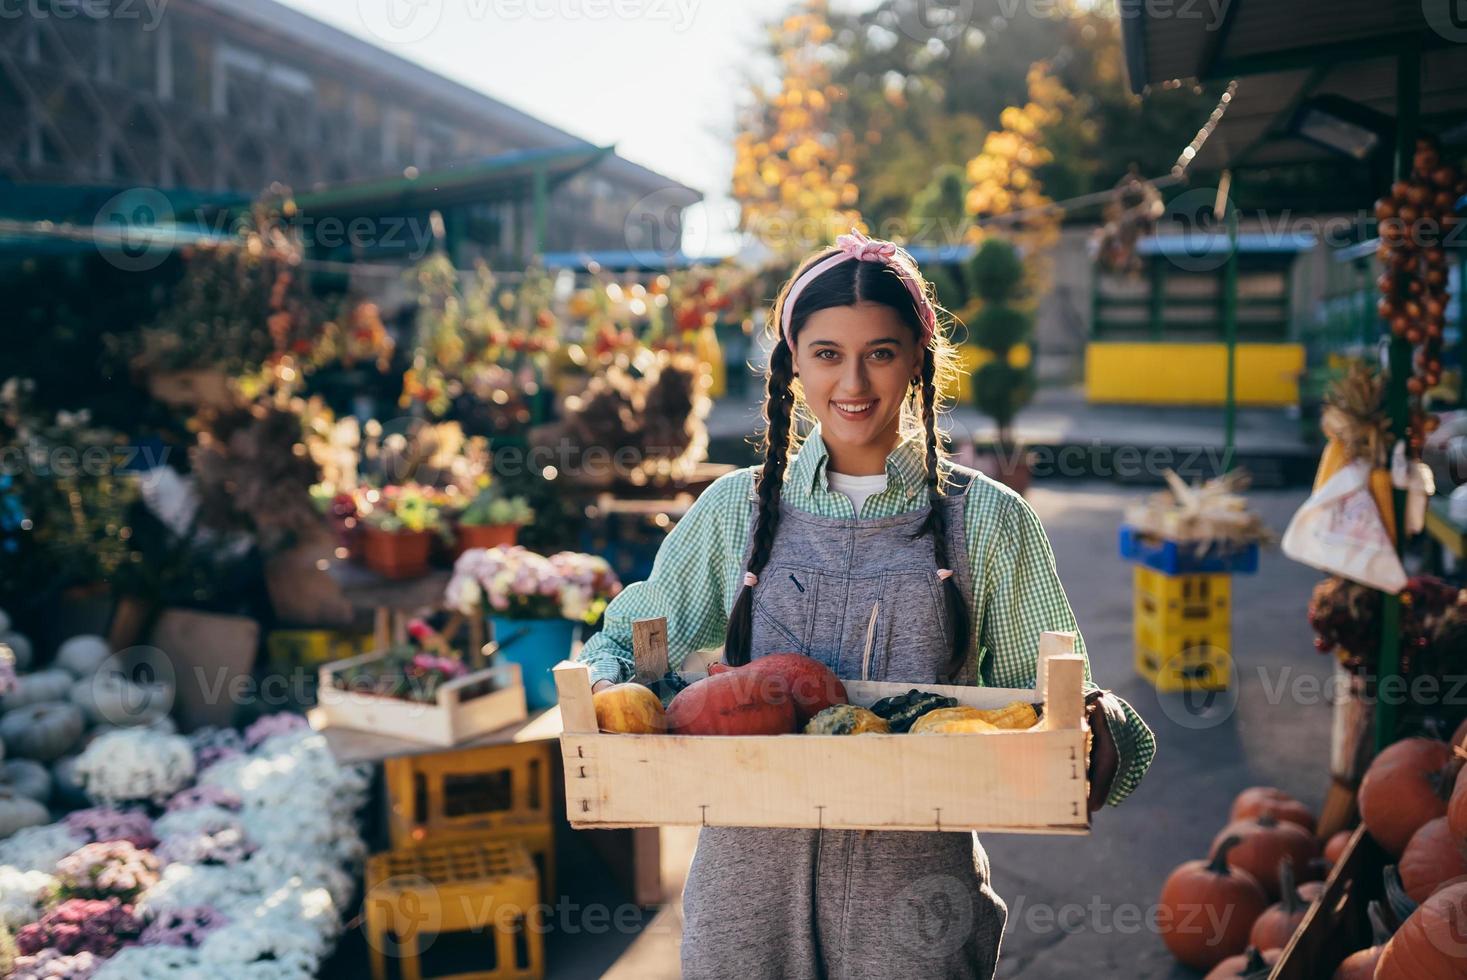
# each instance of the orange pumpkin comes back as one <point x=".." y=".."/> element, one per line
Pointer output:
<point x="1457" y="807"/>
<point x="1256" y="801"/>
<point x="1403" y="789"/>
<point x="1251" y="964"/>
<point x="1278" y="923"/>
<point x="1360" y="965"/>
<point x="1434" y="857"/>
<point x="629" y="709"/>
<point x="1207" y="907"/>
<point x="1432" y="942"/>
<point x="1334" y="848"/>
<point x="1263" y="844"/>
<point x="733" y="703"/>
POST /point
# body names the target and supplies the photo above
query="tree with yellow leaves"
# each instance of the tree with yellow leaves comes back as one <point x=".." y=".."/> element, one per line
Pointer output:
<point x="1006" y="195"/>
<point x="791" y="175"/>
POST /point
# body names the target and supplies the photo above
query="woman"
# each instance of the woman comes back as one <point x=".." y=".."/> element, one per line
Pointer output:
<point x="867" y="530"/>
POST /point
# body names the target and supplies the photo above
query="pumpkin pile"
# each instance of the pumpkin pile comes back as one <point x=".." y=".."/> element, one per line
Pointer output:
<point x="784" y="693"/>
<point x="49" y="715"/>
<point x="1233" y="913"/>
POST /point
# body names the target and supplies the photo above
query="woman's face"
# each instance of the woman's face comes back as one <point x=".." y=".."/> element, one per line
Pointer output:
<point x="856" y="364"/>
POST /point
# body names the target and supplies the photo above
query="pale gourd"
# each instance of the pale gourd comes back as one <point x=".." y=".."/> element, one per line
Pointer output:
<point x="18" y="812"/>
<point x="43" y="732"/>
<point x="43" y="685"/>
<point x="82" y="656"/>
<point x="111" y="699"/>
<point x="26" y="777"/>
<point x="65" y="787"/>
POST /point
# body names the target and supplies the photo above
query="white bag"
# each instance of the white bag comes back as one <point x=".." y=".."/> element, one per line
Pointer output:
<point x="1339" y="530"/>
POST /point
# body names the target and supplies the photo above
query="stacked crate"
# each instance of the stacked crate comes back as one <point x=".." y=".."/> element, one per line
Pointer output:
<point x="492" y="793"/>
<point x="1183" y="605"/>
<point x="489" y="888"/>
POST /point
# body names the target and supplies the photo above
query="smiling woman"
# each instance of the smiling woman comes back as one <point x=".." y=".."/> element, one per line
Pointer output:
<point x="929" y="573"/>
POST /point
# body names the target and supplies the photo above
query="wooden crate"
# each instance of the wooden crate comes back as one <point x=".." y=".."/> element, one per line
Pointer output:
<point x="486" y="887"/>
<point x="1336" y="924"/>
<point x="481" y="702"/>
<point x="1022" y="781"/>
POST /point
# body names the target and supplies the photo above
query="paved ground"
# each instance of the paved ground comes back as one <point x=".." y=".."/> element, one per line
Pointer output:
<point x="1079" y="906"/>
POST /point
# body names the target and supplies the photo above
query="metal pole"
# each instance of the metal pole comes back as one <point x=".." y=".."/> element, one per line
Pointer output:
<point x="1408" y="103"/>
<point x="1230" y="332"/>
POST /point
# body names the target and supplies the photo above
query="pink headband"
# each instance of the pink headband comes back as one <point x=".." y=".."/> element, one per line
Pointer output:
<point x="857" y="246"/>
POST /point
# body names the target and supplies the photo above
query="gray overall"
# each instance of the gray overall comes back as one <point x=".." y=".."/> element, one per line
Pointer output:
<point x="775" y="903"/>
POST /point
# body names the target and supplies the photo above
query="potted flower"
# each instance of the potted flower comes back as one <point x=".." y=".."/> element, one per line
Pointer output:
<point x="535" y="605"/>
<point x="399" y="525"/>
<point x="491" y="521"/>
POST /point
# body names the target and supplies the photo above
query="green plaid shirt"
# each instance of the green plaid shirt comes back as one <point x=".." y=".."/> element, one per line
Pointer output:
<point x="698" y="572"/>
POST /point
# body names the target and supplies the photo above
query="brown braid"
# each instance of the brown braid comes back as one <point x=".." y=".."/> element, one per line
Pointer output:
<point x="936" y="523"/>
<point x="779" y="405"/>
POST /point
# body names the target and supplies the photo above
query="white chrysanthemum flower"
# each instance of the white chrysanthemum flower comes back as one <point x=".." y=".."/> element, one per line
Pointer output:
<point x="39" y="848"/>
<point x="151" y="963"/>
<point x="135" y="764"/>
<point x="22" y="894"/>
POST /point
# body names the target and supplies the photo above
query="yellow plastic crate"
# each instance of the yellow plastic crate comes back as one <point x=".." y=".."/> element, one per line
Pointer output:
<point x="1186" y="660"/>
<point x="488" y="887"/>
<point x="1185" y="603"/>
<point x="291" y="650"/>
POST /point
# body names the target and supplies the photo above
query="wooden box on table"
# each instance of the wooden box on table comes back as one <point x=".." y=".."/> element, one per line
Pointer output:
<point x="483" y="701"/>
<point x="1031" y="781"/>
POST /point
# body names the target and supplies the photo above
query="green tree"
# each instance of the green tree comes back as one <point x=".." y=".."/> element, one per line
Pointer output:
<point x="1002" y="329"/>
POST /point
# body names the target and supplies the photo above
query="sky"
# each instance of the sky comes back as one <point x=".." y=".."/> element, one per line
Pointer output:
<point x="658" y="78"/>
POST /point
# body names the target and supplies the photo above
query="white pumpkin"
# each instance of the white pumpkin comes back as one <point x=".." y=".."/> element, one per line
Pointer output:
<point x="44" y="731"/>
<point x="51" y="684"/>
<point x="26" y="778"/>
<point x="18" y="812"/>
<point x="80" y="656"/>
<point x="109" y="698"/>
<point x="20" y="646"/>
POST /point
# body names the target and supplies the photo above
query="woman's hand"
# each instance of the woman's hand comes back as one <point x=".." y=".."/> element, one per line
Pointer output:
<point x="600" y="686"/>
<point x="1105" y="761"/>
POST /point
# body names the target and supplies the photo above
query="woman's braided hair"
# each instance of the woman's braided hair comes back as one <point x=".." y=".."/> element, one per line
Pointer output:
<point x="846" y="284"/>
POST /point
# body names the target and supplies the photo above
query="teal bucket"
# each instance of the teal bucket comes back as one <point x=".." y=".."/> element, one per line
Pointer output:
<point x="537" y="645"/>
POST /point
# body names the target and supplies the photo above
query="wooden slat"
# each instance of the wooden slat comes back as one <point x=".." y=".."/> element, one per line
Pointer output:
<point x="573" y="684"/>
<point x="1031" y="781"/>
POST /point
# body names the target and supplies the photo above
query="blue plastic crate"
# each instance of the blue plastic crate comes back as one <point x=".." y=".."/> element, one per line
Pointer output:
<point x="1174" y="558"/>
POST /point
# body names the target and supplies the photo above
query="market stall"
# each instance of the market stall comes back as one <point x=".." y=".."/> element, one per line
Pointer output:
<point x="1370" y="91"/>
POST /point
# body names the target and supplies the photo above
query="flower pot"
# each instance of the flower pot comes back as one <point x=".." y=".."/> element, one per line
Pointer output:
<point x="537" y="645"/>
<point x="485" y="536"/>
<point x="397" y="554"/>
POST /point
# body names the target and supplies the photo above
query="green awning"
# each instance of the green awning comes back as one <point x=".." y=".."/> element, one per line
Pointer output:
<point x="507" y="176"/>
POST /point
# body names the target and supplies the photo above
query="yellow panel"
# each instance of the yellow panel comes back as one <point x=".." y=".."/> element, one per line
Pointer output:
<point x="1191" y="374"/>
